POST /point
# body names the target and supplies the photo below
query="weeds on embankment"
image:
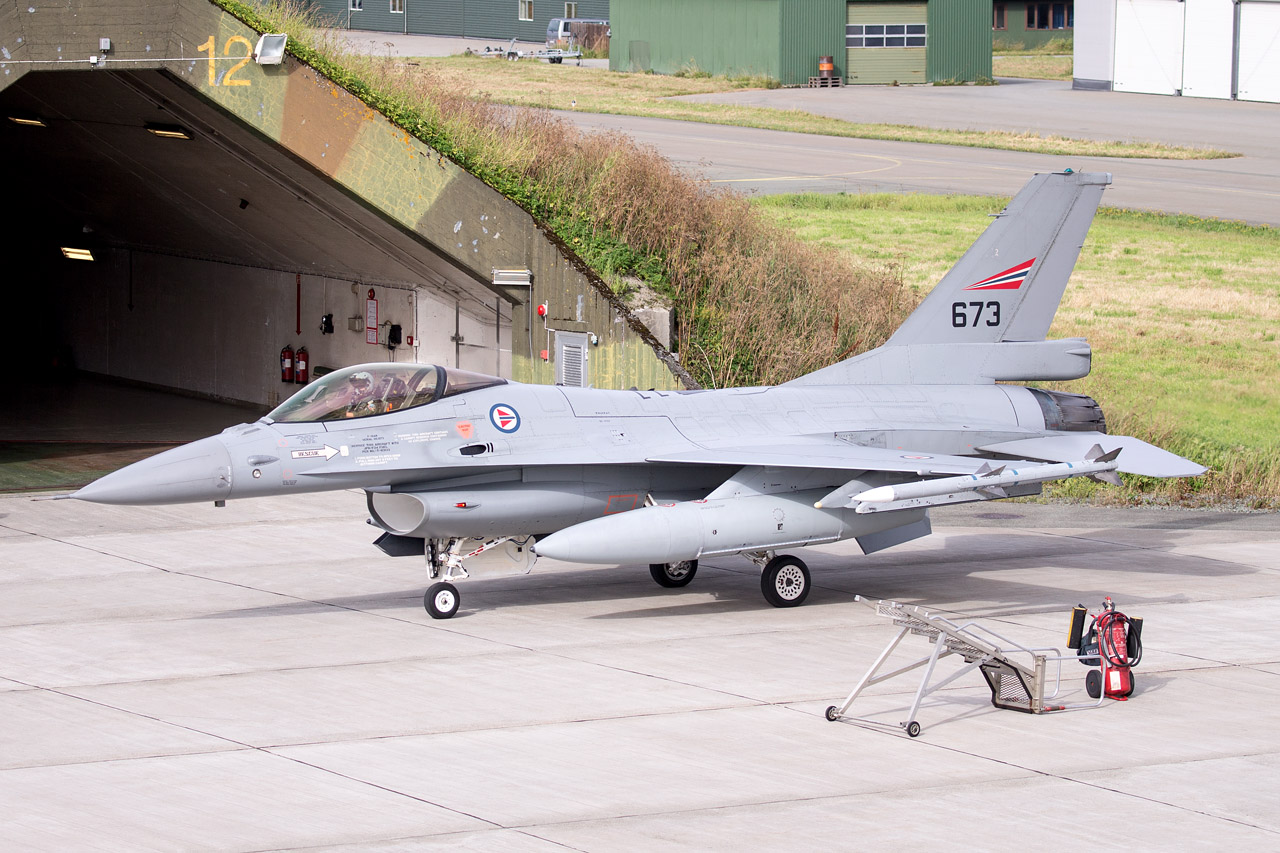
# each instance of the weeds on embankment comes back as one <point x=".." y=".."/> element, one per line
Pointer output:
<point x="754" y="303"/>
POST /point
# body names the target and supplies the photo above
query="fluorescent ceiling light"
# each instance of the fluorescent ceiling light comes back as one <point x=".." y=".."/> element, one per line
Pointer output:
<point x="77" y="254"/>
<point x="168" y="131"/>
<point x="25" y="118"/>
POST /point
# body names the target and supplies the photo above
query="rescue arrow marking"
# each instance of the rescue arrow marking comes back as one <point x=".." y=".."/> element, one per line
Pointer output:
<point x="327" y="452"/>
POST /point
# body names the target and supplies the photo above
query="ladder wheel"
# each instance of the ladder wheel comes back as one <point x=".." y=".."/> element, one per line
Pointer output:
<point x="1093" y="683"/>
<point x="833" y="713"/>
<point x="913" y="729"/>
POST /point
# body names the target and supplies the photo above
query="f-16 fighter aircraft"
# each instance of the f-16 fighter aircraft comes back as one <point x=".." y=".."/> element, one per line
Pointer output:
<point x="476" y="470"/>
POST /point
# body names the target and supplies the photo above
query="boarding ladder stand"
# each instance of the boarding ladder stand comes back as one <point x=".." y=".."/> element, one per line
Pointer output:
<point x="1015" y="673"/>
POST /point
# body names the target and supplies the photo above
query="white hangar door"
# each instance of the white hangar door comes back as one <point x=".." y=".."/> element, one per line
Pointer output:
<point x="1259" y="69"/>
<point x="1208" y="48"/>
<point x="1149" y="46"/>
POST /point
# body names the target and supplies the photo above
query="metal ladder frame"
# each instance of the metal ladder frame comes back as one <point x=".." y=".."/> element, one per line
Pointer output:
<point x="970" y="640"/>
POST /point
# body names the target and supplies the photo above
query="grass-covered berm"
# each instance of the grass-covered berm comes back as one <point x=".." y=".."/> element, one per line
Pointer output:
<point x="754" y="303"/>
<point x="1183" y="315"/>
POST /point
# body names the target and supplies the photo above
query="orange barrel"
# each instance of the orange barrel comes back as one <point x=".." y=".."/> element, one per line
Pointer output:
<point x="826" y="66"/>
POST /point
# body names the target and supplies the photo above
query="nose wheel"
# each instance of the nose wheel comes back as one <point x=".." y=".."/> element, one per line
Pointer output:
<point x="442" y="600"/>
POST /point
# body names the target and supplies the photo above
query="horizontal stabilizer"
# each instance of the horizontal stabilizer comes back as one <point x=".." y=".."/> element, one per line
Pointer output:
<point x="1138" y="456"/>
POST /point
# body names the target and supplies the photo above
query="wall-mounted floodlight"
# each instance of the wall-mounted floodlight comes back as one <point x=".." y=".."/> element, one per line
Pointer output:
<point x="77" y="254"/>
<point x="168" y="131"/>
<point x="270" y="49"/>
<point x="27" y="119"/>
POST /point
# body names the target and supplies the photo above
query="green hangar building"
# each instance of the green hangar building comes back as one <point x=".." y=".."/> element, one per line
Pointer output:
<point x="525" y="20"/>
<point x="869" y="41"/>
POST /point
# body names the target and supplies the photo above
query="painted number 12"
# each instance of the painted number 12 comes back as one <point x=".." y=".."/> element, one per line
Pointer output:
<point x="228" y="79"/>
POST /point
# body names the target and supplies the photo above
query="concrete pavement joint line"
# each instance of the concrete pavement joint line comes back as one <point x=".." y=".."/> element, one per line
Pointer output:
<point x="375" y="785"/>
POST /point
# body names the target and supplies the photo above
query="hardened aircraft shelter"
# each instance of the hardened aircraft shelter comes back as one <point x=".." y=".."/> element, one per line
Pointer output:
<point x="231" y="207"/>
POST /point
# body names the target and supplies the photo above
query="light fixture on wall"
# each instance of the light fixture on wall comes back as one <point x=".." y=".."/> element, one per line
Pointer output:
<point x="270" y="49"/>
<point x="168" y="131"/>
<point x="76" y="254"/>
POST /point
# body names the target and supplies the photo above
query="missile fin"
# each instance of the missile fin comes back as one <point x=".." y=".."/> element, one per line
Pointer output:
<point x="1106" y="477"/>
<point x="992" y="492"/>
<point x="1095" y="454"/>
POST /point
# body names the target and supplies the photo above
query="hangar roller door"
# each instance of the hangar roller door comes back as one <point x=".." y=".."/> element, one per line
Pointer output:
<point x="1207" y="48"/>
<point x="885" y="42"/>
<point x="1259" y="69"/>
<point x="1149" y="46"/>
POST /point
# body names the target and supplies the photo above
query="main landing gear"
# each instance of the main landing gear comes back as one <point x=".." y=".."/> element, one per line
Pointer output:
<point x="672" y="575"/>
<point x="784" y="579"/>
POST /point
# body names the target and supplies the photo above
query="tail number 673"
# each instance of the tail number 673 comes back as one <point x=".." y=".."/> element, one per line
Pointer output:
<point x="967" y="314"/>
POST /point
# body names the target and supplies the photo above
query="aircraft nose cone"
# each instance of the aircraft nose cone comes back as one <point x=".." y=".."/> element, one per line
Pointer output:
<point x="200" y="471"/>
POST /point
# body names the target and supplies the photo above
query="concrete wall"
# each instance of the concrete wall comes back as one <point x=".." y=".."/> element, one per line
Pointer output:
<point x="220" y="333"/>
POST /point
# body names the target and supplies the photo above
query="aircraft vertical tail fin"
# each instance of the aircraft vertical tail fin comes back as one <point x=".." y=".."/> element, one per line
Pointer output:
<point x="988" y="317"/>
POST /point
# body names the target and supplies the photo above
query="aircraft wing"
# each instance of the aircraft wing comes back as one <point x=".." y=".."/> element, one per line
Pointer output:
<point x="1137" y="457"/>
<point x="833" y="455"/>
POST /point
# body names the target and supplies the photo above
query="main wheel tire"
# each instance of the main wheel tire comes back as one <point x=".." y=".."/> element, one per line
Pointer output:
<point x="672" y="575"/>
<point x="913" y="729"/>
<point x="833" y="713"/>
<point x="442" y="600"/>
<point x="785" y="581"/>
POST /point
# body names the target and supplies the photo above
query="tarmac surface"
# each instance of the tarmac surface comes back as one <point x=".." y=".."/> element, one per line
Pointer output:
<point x="767" y="161"/>
<point x="259" y="677"/>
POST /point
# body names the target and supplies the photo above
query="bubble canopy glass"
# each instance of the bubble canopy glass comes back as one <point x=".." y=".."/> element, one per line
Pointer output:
<point x="376" y="389"/>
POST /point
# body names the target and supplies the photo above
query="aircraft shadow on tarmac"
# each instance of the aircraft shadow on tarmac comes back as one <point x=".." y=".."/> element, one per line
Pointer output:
<point x="951" y="578"/>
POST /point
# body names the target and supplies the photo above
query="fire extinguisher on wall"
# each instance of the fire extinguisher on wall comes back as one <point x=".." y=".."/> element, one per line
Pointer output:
<point x="286" y="364"/>
<point x="300" y="371"/>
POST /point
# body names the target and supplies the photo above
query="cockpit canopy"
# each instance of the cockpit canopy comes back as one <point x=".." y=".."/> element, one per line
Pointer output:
<point x="376" y="389"/>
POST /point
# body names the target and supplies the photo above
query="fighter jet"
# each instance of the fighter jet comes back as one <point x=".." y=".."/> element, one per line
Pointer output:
<point x="477" y="471"/>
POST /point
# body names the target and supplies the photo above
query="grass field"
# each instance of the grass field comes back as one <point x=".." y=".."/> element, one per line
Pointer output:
<point x="565" y="87"/>
<point x="1035" y="66"/>
<point x="1183" y="315"/>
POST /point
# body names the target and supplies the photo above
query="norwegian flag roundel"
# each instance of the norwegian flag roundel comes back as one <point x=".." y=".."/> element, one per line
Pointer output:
<point x="504" y="417"/>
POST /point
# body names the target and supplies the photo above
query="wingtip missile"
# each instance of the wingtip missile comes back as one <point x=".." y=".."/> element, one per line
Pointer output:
<point x="993" y="483"/>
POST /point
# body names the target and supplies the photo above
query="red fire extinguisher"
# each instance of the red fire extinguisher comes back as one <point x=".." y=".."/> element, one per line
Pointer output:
<point x="1114" y="645"/>
<point x="300" y="372"/>
<point x="286" y="364"/>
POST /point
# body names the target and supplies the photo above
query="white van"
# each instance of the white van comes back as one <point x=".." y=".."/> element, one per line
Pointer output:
<point x="558" y="29"/>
